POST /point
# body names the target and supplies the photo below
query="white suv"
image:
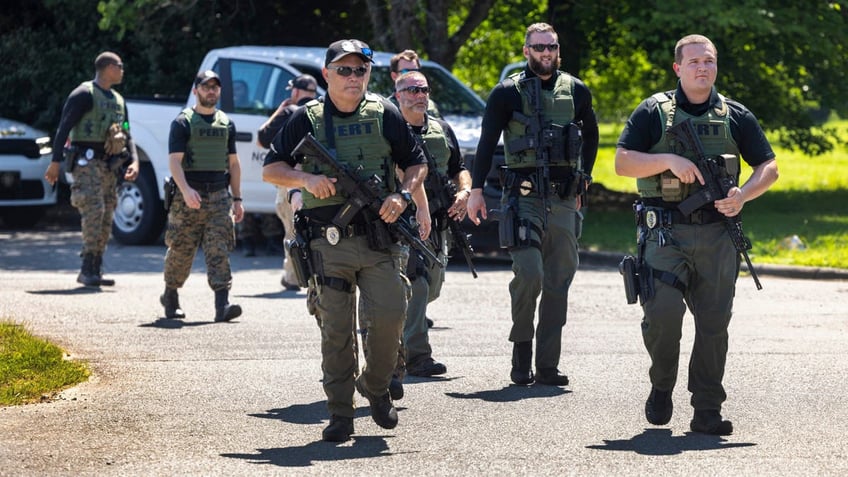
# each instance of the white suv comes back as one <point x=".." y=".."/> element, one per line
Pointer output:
<point x="25" y="153"/>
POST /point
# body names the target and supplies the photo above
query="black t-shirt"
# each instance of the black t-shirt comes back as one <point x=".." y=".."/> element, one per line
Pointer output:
<point x="644" y="128"/>
<point x="505" y="98"/>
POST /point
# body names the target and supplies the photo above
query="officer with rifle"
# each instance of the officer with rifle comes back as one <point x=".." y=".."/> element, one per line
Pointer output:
<point x="551" y="139"/>
<point x="352" y="219"/>
<point x="446" y="208"/>
<point x="683" y="147"/>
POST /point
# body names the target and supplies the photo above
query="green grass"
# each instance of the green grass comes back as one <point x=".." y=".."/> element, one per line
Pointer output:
<point x="32" y="369"/>
<point x="808" y="200"/>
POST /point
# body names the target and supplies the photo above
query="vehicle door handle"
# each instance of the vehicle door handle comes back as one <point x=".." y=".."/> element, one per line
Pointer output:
<point x="244" y="137"/>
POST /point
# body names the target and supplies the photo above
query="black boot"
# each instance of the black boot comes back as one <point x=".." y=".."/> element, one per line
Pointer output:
<point x="224" y="311"/>
<point x="98" y="272"/>
<point x="171" y="301"/>
<point x="86" y="275"/>
<point x="249" y="247"/>
<point x="522" y="359"/>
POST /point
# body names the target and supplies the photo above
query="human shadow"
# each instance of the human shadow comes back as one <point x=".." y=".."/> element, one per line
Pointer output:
<point x="82" y="290"/>
<point x="361" y="447"/>
<point x="281" y="294"/>
<point x="175" y="324"/>
<point x="512" y="393"/>
<point x="662" y="442"/>
<point x="308" y="414"/>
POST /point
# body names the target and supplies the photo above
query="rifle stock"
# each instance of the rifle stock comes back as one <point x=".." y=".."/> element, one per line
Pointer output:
<point x="363" y="194"/>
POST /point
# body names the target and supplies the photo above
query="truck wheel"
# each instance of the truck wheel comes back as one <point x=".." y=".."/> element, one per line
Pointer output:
<point x="139" y="215"/>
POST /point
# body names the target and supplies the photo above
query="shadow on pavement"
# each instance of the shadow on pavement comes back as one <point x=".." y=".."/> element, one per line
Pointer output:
<point x="662" y="442"/>
<point x="360" y="447"/>
<point x="512" y="393"/>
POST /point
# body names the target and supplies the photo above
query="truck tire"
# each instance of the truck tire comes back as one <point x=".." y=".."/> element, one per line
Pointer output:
<point x="139" y="216"/>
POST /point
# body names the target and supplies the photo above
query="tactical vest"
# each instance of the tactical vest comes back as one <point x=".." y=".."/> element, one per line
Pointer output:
<point x="359" y="144"/>
<point x="105" y="111"/>
<point x="713" y="129"/>
<point x="437" y="146"/>
<point x="207" y="144"/>
<point x="558" y="108"/>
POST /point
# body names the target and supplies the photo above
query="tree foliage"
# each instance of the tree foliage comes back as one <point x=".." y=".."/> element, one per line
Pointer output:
<point x="784" y="59"/>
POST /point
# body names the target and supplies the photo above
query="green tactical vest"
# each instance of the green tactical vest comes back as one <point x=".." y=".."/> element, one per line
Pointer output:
<point x="558" y="108"/>
<point x="359" y="143"/>
<point x="207" y="143"/>
<point x="713" y="129"/>
<point x="94" y="124"/>
<point x="437" y="144"/>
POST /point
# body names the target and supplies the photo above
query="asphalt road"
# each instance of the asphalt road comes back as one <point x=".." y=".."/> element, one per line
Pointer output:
<point x="244" y="398"/>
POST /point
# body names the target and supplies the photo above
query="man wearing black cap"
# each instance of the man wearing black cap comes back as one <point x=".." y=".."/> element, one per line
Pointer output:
<point x="367" y="132"/>
<point x="303" y="88"/>
<point x="205" y="167"/>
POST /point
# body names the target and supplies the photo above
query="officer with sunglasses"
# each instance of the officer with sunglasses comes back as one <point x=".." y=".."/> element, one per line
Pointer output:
<point x="544" y="230"/>
<point x="366" y="132"/>
<point x="405" y="62"/>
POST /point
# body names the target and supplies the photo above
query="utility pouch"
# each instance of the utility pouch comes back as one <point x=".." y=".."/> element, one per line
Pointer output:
<point x="118" y="161"/>
<point x="170" y="189"/>
<point x="672" y="189"/>
<point x="70" y="156"/>
<point x="379" y="237"/>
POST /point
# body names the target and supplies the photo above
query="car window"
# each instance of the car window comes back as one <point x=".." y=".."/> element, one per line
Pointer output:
<point x="258" y="87"/>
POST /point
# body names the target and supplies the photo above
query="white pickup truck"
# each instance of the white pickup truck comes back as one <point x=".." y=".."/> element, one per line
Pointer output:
<point x="265" y="71"/>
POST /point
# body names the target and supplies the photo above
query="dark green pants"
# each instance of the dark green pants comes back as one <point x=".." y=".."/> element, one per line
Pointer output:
<point x="546" y="271"/>
<point x="703" y="258"/>
<point x="383" y="294"/>
<point x="426" y="287"/>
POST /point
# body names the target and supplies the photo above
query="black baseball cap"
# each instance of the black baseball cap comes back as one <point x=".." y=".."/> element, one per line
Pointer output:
<point x="206" y="76"/>
<point x="304" y="82"/>
<point x="339" y="49"/>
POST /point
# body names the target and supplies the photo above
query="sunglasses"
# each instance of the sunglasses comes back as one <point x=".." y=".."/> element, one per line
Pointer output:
<point x="416" y="89"/>
<point x="540" y="47"/>
<point x="407" y="70"/>
<point x="119" y="65"/>
<point x="349" y="70"/>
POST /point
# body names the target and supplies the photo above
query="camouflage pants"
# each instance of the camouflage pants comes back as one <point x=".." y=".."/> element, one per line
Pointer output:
<point x="94" y="195"/>
<point x="210" y="227"/>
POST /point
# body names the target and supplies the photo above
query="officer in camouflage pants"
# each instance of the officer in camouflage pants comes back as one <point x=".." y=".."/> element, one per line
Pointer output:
<point x="204" y="165"/>
<point x="95" y="121"/>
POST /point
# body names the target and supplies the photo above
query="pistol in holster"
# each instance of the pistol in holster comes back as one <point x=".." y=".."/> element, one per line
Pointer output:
<point x="70" y="155"/>
<point x="299" y="251"/>
<point x="170" y="189"/>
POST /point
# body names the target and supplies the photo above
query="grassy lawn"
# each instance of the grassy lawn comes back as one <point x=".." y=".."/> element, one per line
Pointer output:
<point x="32" y="369"/>
<point x="809" y="200"/>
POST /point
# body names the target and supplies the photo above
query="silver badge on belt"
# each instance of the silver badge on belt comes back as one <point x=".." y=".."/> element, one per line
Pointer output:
<point x="525" y="188"/>
<point x="332" y="234"/>
<point x="651" y="219"/>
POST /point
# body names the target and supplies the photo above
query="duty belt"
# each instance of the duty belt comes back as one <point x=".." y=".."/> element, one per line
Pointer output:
<point x="208" y="187"/>
<point x="334" y="233"/>
<point x="658" y="217"/>
<point x="528" y="183"/>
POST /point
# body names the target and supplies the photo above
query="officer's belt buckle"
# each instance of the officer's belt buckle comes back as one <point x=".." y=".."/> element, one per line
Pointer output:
<point x="332" y="234"/>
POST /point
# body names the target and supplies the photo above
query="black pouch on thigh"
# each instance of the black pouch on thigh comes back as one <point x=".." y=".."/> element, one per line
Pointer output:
<point x="379" y="237"/>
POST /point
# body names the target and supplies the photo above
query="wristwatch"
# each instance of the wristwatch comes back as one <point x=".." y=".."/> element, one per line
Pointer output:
<point x="405" y="195"/>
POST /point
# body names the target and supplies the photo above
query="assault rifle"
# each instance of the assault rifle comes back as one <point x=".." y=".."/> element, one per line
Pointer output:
<point x="541" y="137"/>
<point x="362" y="194"/>
<point x="444" y="192"/>
<point x="717" y="184"/>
